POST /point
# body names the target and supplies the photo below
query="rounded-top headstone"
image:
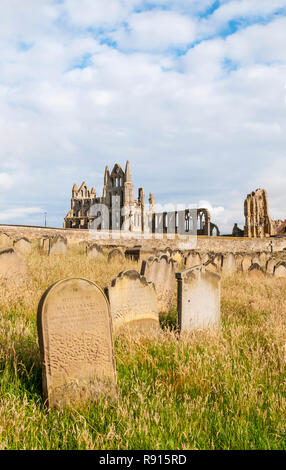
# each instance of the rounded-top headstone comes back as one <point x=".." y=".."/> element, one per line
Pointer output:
<point x="115" y="255"/>
<point x="280" y="269"/>
<point x="75" y="339"/>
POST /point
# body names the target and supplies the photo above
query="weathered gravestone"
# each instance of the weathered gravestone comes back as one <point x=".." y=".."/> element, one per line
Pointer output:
<point x="270" y="265"/>
<point x="23" y="245"/>
<point x="45" y="244"/>
<point x="75" y="339"/>
<point x="137" y="253"/>
<point x="218" y="260"/>
<point x="5" y="241"/>
<point x="246" y="263"/>
<point x="115" y="255"/>
<point x="193" y="259"/>
<point x="94" y="251"/>
<point x="255" y="270"/>
<point x="280" y="269"/>
<point x="198" y="299"/>
<point x="229" y="263"/>
<point x="57" y="245"/>
<point x="212" y="266"/>
<point x="238" y="260"/>
<point x="178" y="256"/>
<point x="161" y="271"/>
<point x="263" y="258"/>
<point x="12" y="266"/>
<point x="256" y="260"/>
<point x="133" y="303"/>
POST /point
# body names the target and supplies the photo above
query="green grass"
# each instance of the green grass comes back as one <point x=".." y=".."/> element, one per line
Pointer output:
<point x="205" y="390"/>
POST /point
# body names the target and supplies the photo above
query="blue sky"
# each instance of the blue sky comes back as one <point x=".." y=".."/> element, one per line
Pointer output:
<point x="192" y="92"/>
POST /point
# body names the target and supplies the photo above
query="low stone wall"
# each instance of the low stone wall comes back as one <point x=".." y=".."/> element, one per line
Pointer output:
<point x="203" y="243"/>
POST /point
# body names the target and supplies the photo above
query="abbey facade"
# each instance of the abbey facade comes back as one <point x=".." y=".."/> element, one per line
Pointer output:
<point x="118" y="194"/>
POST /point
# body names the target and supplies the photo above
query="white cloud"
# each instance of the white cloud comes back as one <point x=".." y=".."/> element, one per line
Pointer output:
<point x="156" y="30"/>
<point x="209" y="125"/>
<point x="6" y="181"/>
<point x="18" y="213"/>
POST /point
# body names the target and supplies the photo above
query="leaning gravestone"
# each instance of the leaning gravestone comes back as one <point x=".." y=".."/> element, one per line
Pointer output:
<point x="12" y="266"/>
<point x="133" y="303"/>
<point x="115" y="255"/>
<point x="212" y="266"/>
<point x="229" y="263"/>
<point x="75" y="339"/>
<point x="94" y="251"/>
<point x="58" y="245"/>
<point x="161" y="271"/>
<point x="23" y="246"/>
<point x="280" y="269"/>
<point x="198" y="299"/>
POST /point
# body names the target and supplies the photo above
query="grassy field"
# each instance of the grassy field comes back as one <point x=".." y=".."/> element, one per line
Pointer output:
<point x="206" y="390"/>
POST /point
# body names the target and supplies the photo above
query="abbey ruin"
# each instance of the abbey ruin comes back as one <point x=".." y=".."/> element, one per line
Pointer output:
<point x="127" y="213"/>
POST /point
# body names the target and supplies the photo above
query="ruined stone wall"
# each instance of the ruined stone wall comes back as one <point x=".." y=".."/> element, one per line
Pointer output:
<point x="204" y="243"/>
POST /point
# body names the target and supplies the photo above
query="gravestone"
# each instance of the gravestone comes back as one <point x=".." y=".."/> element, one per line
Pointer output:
<point x="280" y="269"/>
<point x="246" y="263"/>
<point x="218" y="260"/>
<point x="94" y="251"/>
<point x="229" y="263"/>
<point x="45" y="244"/>
<point x="161" y="271"/>
<point x="198" y="299"/>
<point x="138" y="253"/>
<point x="270" y="265"/>
<point x="133" y="303"/>
<point x="57" y="245"/>
<point x="205" y="257"/>
<point x="238" y="260"/>
<point x="193" y="259"/>
<point x="178" y="256"/>
<point x="263" y="258"/>
<point x="256" y="260"/>
<point x="115" y="255"/>
<point x="23" y="246"/>
<point x="255" y="270"/>
<point x="12" y="266"/>
<point x="212" y="266"/>
<point x="75" y="339"/>
<point x="5" y="241"/>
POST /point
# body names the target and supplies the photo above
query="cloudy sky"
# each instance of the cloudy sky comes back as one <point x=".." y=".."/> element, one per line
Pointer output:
<point x="192" y="92"/>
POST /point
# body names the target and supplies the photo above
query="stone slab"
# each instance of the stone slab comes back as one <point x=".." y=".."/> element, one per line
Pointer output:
<point x="75" y="339"/>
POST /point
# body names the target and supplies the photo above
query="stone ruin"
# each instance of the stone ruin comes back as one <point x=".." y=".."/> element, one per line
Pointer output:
<point x="76" y="345"/>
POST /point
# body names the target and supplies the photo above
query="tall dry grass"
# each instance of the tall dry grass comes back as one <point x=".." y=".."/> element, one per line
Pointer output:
<point x="205" y="390"/>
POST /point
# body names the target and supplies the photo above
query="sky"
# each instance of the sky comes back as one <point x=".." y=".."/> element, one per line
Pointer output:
<point x="191" y="92"/>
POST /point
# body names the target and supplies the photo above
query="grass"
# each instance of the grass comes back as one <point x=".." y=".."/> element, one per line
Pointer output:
<point x="205" y="390"/>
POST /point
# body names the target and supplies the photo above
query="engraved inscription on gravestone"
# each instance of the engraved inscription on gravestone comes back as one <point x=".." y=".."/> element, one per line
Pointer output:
<point x="75" y="339"/>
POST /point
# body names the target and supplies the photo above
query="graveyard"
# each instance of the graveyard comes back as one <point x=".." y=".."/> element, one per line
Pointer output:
<point x="188" y="347"/>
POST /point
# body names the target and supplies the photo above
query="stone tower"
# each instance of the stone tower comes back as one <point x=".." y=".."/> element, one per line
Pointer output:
<point x="257" y="220"/>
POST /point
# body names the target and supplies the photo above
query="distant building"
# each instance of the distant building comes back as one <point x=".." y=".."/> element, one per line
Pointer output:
<point x="125" y="212"/>
<point x="117" y="183"/>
